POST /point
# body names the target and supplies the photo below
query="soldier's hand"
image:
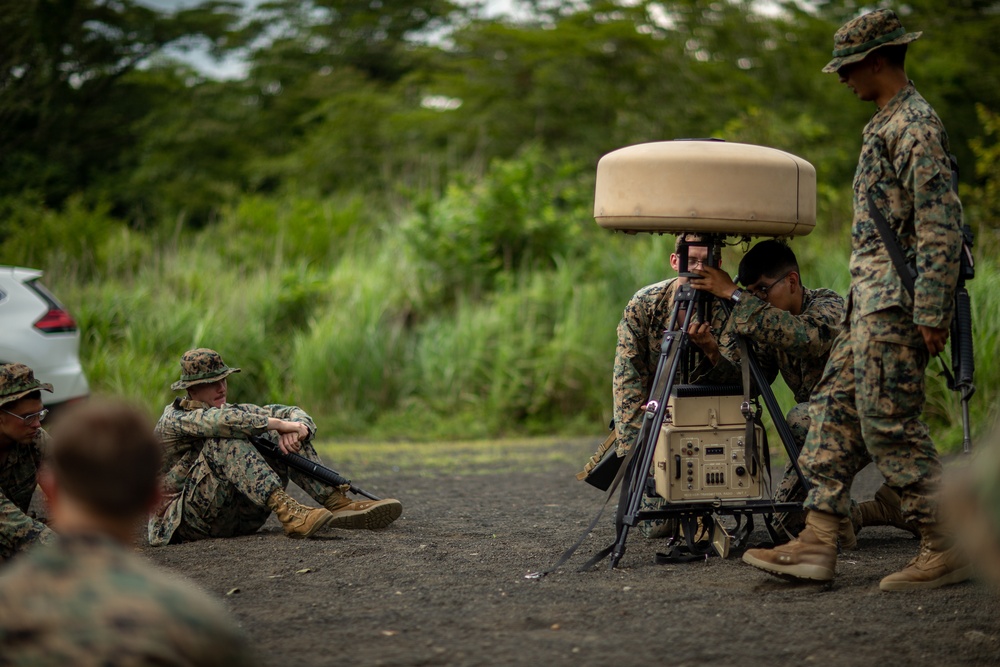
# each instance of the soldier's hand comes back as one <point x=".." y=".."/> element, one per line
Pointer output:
<point x="934" y="338"/>
<point x="700" y="334"/>
<point x="713" y="280"/>
<point x="289" y="443"/>
<point x="290" y="434"/>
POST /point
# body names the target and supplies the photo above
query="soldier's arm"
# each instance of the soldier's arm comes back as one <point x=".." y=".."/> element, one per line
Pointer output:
<point x="18" y="531"/>
<point x="225" y="422"/>
<point x="808" y="334"/>
<point x="925" y="169"/>
<point x="630" y="377"/>
<point x="291" y="413"/>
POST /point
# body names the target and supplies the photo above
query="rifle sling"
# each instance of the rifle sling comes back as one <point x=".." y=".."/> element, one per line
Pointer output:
<point x="905" y="270"/>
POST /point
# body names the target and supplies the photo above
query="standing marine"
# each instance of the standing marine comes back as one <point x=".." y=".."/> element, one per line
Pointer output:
<point x="869" y="402"/>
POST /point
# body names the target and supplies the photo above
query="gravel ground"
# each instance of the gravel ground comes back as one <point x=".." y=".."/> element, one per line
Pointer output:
<point x="445" y="585"/>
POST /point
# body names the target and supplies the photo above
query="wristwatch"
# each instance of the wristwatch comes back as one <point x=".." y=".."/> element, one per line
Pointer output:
<point x="736" y="295"/>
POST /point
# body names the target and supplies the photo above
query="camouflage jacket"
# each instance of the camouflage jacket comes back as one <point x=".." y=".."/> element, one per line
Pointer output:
<point x="86" y="600"/>
<point x="797" y="346"/>
<point x="184" y="427"/>
<point x="640" y="335"/>
<point x="18" y="477"/>
<point x="905" y="164"/>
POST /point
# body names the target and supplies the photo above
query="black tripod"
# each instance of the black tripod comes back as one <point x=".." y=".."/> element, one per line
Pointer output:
<point x="671" y="365"/>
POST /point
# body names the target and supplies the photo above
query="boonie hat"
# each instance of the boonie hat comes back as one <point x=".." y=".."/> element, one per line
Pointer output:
<point x="200" y="366"/>
<point x="16" y="381"/>
<point x="859" y="37"/>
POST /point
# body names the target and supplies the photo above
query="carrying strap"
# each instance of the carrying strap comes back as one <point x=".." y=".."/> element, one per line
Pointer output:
<point x="572" y="550"/>
<point x="907" y="272"/>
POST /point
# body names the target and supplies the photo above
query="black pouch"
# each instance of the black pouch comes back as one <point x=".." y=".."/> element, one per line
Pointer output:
<point x="602" y="467"/>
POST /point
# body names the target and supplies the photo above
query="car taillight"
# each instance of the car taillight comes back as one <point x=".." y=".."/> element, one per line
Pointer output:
<point x="55" y="321"/>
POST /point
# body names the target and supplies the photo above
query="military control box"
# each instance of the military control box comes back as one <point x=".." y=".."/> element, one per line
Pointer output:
<point x="701" y="453"/>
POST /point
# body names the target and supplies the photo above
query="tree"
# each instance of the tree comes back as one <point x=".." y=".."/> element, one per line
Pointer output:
<point x="67" y="105"/>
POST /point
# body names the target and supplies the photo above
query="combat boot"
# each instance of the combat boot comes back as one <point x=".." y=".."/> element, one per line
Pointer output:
<point x="812" y="555"/>
<point x="940" y="562"/>
<point x="298" y="520"/>
<point x="846" y="536"/>
<point x="885" y="510"/>
<point x="361" y="514"/>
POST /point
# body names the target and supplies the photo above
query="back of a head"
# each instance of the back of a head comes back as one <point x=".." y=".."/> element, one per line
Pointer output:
<point x="106" y="457"/>
<point x="768" y="259"/>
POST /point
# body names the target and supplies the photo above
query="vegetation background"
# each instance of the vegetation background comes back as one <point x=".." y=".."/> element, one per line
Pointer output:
<point x="388" y="218"/>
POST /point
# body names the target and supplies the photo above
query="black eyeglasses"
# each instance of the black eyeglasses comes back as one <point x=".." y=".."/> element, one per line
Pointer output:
<point x="40" y="415"/>
<point x="761" y="292"/>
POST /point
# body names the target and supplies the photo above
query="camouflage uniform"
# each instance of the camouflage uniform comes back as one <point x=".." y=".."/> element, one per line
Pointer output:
<point x="85" y="600"/>
<point x="869" y="401"/>
<point x="216" y="484"/>
<point x="640" y="337"/>
<point x="797" y="346"/>
<point x="19" y="470"/>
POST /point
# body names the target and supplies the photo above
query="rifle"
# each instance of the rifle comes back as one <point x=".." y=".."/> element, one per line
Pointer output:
<point x="959" y="376"/>
<point x="302" y="464"/>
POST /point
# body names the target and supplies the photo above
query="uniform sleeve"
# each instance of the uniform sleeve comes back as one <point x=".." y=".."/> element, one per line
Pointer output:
<point x="226" y="422"/>
<point x="808" y="334"/>
<point x="630" y="374"/>
<point x="937" y="214"/>
<point x="292" y="413"/>
<point x="18" y="530"/>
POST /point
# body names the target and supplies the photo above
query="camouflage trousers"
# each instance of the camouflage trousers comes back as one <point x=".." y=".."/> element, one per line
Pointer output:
<point x="227" y="489"/>
<point x="867" y="406"/>
<point x="790" y="489"/>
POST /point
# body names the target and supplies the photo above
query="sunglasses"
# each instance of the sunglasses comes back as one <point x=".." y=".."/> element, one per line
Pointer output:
<point x="27" y="419"/>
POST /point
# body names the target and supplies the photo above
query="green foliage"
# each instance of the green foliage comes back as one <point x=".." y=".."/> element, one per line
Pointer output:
<point x="80" y="241"/>
<point x="389" y="220"/>
<point x="526" y="215"/>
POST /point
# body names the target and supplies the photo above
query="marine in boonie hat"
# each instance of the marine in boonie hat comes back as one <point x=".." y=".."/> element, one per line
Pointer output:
<point x="859" y="37"/>
<point x="17" y="381"/>
<point x="200" y="366"/>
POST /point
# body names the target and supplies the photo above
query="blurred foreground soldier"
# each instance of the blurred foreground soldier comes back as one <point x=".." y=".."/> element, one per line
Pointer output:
<point x="23" y="444"/>
<point x="971" y="503"/>
<point x="216" y="482"/>
<point x="870" y="399"/>
<point x="86" y="599"/>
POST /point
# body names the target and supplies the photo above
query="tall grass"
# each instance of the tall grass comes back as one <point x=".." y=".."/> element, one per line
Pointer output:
<point x="328" y="304"/>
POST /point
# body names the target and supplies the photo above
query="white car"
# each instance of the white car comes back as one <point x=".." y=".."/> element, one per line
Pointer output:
<point x="36" y="330"/>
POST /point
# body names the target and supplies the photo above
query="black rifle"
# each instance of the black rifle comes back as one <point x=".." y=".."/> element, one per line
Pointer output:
<point x="302" y="464"/>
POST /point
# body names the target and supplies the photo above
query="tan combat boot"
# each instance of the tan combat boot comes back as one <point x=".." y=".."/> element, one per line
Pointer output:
<point x="361" y="514"/>
<point x="846" y="535"/>
<point x="884" y="510"/>
<point x="298" y="520"/>
<point x="940" y="563"/>
<point x="812" y="555"/>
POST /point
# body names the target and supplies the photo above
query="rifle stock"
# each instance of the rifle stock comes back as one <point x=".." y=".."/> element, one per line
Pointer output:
<point x="302" y="464"/>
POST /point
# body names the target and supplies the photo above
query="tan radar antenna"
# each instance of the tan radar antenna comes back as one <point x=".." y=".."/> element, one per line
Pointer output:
<point x="701" y="448"/>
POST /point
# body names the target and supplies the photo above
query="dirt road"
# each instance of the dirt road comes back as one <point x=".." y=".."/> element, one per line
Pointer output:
<point x="445" y="585"/>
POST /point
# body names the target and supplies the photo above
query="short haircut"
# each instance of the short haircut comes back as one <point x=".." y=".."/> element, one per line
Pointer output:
<point x="686" y="236"/>
<point x="769" y="259"/>
<point x="105" y="455"/>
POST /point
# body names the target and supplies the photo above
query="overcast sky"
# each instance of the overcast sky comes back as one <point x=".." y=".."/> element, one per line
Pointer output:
<point x="234" y="67"/>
